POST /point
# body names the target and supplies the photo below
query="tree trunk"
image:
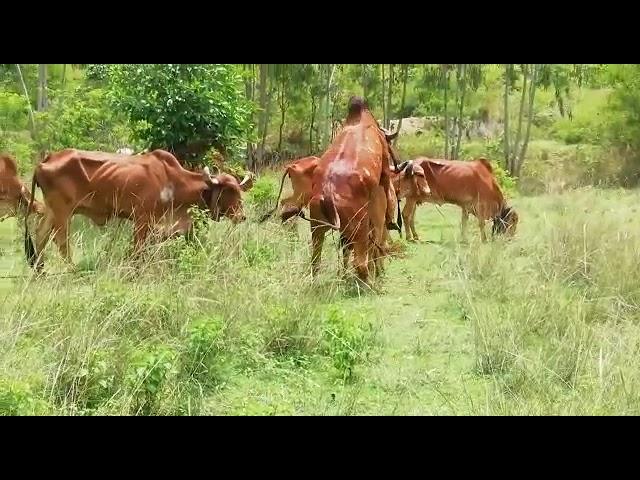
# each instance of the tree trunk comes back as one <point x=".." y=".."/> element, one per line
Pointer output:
<point x="507" y="79"/>
<point x="64" y="74"/>
<point x="314" y="104"/>
<point x="516" y="147"/>
<point x="446" y="113"/>
<point x="463" y="86"/>
<point x="525" y="144"/>
<point x="384" y="98"/>
<point x="389" y="96"/>
<point x="262" y="124"/>
<point x="405" y="71"/>
<point x="248" y="84"/>
<point x="32" y="122"/>
<point x="455" y="117"/>
<point x="365" y="81"/>
<point x="327" y="127"/>
<point x="283" y="105"/>
<point x="42" y="87"/>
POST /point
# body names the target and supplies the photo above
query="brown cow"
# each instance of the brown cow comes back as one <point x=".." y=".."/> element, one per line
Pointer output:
<point x="345" y="185"/>
<point x="470" y="185"/>
<point x="14" y="195"/>
<point x="148" y="189"/>
<point x="300" y="172"/>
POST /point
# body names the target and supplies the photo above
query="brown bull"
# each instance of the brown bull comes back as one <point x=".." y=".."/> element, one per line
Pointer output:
<point x="14" y="195"/>
<point x="150" y="189"/>
<point x="469" y="185"/>
<point x="345" y="191"/>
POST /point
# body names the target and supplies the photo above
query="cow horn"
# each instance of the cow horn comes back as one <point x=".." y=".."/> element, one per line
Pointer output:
<point x="403" y="166"/>
<point x="208" y="178"/>
<point x="247" y="182"/>
<point x="390" y="136"/>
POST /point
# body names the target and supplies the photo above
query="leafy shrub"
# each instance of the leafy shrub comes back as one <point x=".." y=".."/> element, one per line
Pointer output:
<point x="14" y="111"/>
<point x="18" y="399"/>
<point x="347" y="339"/>
<point x="176" y="106"/>
<point x="203" y="349"/>
<point x="149" y="369"/>
<point x="80" y="119"/>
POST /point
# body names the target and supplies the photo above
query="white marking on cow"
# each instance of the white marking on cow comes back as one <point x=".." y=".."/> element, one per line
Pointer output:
<point x="166" y="195"/>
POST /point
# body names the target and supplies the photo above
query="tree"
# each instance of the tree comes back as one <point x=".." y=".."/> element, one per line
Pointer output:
<point x="185" y="108"/>
<point x="42" y="87"/>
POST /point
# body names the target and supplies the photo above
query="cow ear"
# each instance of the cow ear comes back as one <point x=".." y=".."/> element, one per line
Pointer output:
<point x="247" y="182"/>
<point x="417" y="170"/>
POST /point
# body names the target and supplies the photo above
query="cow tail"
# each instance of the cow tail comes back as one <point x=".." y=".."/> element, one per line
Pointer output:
<point x="272" y="211"/>
<point x="29" y="247"/>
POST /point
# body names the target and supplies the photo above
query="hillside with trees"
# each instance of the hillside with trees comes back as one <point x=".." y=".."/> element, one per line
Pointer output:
<point x="232" y="322"/>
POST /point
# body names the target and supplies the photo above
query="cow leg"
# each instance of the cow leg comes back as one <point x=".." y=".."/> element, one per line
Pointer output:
<point x="317" y="240"/>
<point x="346" y="251"/>
<point x="463" y="226"/>
<point x="360" y="257"/>
<point x="141" y="232"/>
<point x="61" y="237"/>
<point x="43" y="233"/>
<point x="408" y="213"/>
<point x="392" y="202"/>
<point x="412" y="222"/>
<point x="483" y="234"/>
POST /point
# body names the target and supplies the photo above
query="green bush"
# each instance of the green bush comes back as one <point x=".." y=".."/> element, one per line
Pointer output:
<point x="17" y="398"/>
<point x="148" y="371"/>
<point x="14" y="111"/>
<point x="177" y="106"/>
<point x="347" y="339"/>
<point x="81" y="119"/>
<point x="202" y="351"/>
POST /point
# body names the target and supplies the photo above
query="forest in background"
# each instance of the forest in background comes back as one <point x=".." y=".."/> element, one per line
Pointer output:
<point x="541" y="123"/>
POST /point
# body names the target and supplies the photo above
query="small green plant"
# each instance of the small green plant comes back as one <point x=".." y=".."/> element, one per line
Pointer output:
<point x="263" y="194"/>
<point x="347" y="340"/>
<point x="257" y="253"/>
<point x="202" y="350"/>
<point x="17" y="399"/>
<point x="148" y="372"/>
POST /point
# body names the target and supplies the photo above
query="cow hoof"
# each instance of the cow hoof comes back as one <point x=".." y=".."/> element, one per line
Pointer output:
<point x="393" y="226"/>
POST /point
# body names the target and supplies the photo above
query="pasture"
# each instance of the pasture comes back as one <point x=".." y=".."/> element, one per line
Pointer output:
<point x="232" y="323"/>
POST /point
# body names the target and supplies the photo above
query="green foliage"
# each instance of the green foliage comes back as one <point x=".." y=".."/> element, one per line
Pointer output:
<point x="201" y="353"/>
<point x="263" y="194"/>
<point x="81" y="119"/>
<point x="21" y="147"/>
<point x="17" y="398"/>
<point x="347" y="339"/>
<point x="148" y="371"/>
<point x="14" y="111"/>
<point x="177" y="105"/>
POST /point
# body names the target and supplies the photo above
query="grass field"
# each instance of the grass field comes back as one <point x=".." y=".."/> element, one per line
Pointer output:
<point x="547" y="323"/>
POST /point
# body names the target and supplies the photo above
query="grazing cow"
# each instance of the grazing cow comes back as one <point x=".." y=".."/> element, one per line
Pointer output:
<point x="345" y="191"/>
<point x="150" y="189"/>
<point x="14" y="195"/>
<point x="470" y="185"/>
<point x="300" y="172"/>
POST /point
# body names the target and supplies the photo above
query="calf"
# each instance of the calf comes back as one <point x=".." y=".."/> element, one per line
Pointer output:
<point x="470" y="185"/>
<point x="14" y="195"/>
<point x="148" y="189"/>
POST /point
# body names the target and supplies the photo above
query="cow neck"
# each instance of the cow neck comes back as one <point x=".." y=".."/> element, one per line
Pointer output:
<point x="189" y="187"/>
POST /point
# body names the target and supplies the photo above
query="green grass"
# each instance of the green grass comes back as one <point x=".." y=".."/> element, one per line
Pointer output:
<point x="547" y="323"/>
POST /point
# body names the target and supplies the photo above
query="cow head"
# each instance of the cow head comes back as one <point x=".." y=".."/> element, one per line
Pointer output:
<point x="223" y="195"/>
<point x="506" y="222"/>
<point x="410" y="181"/>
